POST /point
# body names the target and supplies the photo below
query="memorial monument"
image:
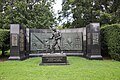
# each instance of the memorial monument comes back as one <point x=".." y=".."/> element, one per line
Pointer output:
<point x="53" y="45"/>
<point x="93" y="41"/>
<point x="53" y="57"/>
<point x="17" y="42"/>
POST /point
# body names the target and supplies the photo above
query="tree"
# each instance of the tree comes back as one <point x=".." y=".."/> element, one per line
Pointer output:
<point x="43" y="15"/>
<point x="86" y="11"/>
<point x="4" y="40"/>
<point x="29" y="13"/>
<point x="82" y="10"/>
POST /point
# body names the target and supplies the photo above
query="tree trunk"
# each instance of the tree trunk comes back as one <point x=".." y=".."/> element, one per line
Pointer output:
<point x="3" y="51"/>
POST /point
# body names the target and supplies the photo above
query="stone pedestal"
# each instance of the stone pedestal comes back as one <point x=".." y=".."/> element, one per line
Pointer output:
<point x="93" y="41"/>
<point x="17" y="42"/>
<point x="54" y="59"/>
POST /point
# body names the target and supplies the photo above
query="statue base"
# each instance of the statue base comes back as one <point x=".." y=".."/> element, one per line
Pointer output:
<point x="54" y="59"/>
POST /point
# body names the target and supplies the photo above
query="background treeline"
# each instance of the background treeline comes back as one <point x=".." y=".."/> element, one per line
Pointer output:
<point x="29" y="13"/>
<point x="83" y="12"/>
<point x="4" y="41"/>
<point x="77" y="13"/>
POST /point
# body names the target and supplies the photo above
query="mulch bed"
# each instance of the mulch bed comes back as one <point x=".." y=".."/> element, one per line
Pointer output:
<point x="107" y="58"/>
<point x="3" y="58"/>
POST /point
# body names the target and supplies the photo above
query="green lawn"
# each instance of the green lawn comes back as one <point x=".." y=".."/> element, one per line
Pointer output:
<point x="79" y="69"/>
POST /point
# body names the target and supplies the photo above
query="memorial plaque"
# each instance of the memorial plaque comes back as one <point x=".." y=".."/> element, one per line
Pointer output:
<point x="38" y="41"/>
<point x="69" y="41"/>
<point x="88" y="35"/>
<point x="54" y="59"/>
<point x="88" y="38"/>
<point x="89" y="41"/>
<point x="14" y="40"/>
<point x="95" y="38"/>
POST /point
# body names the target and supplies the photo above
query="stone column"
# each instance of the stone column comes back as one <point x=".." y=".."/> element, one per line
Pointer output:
<point x="93" y="49"/>
<point x="17" y="42"/>
<point x="27" y="42"/>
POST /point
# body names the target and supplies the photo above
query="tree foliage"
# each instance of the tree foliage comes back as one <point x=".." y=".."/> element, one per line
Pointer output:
<point x="29" y="13"/>
<point x="4" y="40"/>
<point x="110" y="35"/>
<point x="86" y="11"/>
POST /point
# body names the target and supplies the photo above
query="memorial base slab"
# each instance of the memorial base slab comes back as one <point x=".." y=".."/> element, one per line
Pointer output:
<point x="17" y="58"/>
<point x="54" y="59"/>
<point x="94" y="57"/>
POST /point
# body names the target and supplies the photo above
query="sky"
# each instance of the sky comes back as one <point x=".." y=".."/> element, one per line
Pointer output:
<point x="58" y="7"/>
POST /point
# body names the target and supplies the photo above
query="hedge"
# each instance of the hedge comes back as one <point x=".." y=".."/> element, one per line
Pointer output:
<point x="110" y="40"/>
<point x="4" y="40"/>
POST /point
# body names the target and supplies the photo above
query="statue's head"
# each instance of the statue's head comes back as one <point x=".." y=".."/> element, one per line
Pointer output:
<point x="54" y="28"/>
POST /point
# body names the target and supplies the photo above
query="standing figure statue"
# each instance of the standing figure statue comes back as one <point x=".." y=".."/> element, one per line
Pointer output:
<point x="56" y="36"/>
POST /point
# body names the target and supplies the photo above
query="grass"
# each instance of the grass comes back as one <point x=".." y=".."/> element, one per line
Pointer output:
<point x="79" y="69"/>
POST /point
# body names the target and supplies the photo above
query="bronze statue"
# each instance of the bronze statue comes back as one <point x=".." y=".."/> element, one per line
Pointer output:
<point x="56" y="36"/>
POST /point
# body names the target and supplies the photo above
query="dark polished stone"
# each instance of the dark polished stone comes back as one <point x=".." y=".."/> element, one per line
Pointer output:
<point x="17" y="42"/>
<point x="93" y="44"/>
<point x="54" y="59"/>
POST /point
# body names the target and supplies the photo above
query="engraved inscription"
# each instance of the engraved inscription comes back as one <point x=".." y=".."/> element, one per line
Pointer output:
<point x="14" y="40"/>
<point x="88" y="35"/>
<point x="89" y="38"/>
<point x="54" y="59"/>
<point x="21" y="40"/>
<point x="95" y="38"/>
<point x="89" y="41"/>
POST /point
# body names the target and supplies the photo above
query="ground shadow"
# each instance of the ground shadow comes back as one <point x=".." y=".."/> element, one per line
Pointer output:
<point x="4" y="58"/>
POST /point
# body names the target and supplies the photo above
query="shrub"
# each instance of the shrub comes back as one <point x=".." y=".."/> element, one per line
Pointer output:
<point x="110" y="39"/>
<point x="4" y="40"/>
